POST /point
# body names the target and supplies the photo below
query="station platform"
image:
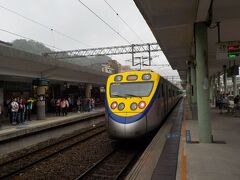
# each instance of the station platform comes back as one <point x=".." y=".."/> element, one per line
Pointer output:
<point x="180" y="160"/>
<point x="8" y="131"/>
<point x="219" y="160"/>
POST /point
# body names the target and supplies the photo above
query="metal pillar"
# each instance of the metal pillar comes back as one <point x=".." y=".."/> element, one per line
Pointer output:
<point x="225" y="79"/>
<point x="88" y="91"/>
<point x="214" y="89"/>
<point x="193" y="83"/>
<point x="211" y="92"/>
<point x="234" y="85"/>
<point x="204" y="123"/>
<point x="210" y="89"/>
<point x="188" y="86"/>
<point x="42" y="86"/>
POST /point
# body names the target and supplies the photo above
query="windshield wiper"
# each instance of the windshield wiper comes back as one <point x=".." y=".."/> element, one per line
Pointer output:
<point x="116" y="95"/>
<point x="132" y="95"/>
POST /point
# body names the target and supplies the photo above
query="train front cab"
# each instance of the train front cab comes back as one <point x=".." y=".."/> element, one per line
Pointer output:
<point x="128" y="123"/>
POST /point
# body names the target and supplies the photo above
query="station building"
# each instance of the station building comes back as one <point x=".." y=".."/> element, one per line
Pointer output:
<point x="23" y="74"/>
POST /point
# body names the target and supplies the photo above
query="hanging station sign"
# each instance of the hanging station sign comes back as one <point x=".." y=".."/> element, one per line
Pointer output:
<point x="228" y="50"/>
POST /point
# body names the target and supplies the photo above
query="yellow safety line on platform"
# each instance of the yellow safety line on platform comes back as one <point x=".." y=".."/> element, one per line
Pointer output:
<point x="183" y="140"/>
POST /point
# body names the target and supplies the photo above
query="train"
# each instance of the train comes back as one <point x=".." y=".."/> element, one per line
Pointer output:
<point x="137" y="103"/>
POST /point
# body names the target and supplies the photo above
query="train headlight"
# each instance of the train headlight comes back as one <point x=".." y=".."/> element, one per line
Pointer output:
<point x="142" y="104"/>
<point x="118" y="78"/>
<point x="146" y="77"/>
<point x="114" y="105"/>
<point x="121" y="106"/>
<point x="133" y="106"/>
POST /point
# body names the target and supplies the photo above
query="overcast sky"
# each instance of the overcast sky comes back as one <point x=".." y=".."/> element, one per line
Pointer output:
<point x="73" y="19"/>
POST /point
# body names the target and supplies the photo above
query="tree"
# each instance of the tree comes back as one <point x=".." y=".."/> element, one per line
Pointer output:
<point x="30" y="46"/>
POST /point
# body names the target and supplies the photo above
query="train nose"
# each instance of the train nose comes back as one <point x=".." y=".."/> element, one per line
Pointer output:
<point x="127" y="130"/>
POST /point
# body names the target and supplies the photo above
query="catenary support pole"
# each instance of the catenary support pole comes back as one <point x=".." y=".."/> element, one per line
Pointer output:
<point x="193" y="82"/>
<point x="234" y="78"/>
<point x="225" y="79"/>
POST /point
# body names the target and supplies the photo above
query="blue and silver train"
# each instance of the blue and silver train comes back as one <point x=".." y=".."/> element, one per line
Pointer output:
<point x="137" y="102"/>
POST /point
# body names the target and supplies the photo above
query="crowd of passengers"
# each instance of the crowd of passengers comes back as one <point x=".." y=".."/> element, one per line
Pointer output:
<point x="228" y="102"/>
<point x="19" y="110"/>
<point x="62" y="105"/>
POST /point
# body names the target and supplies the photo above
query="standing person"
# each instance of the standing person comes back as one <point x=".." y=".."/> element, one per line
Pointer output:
<point x="29" y="108"/>
<point x="93" y="103"/>
<point x="78" y="105"/>
<point x="21" y="111"/>
<point x="89" y="104"/>
<point x="9" y="109"/>
<point x="236" y="101"/>
<point x="69" y="103"/>
<point x="63" y="105"/>
<point x="14" y="111"/>
<point x="67" y="106"/>
<point x="57" y="107"/>
<point x="220" y="103"/>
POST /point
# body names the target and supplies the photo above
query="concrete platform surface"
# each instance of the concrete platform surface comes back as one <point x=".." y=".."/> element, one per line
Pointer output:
<point x="8" y="131"/>
<point x="155" y="163"/>
<point x="216" y="161"/>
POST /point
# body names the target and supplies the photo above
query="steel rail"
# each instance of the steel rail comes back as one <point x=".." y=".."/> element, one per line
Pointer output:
<point x="101" y="161"/>
<point x="95" y="165"/>
<point x="51" y="154"/>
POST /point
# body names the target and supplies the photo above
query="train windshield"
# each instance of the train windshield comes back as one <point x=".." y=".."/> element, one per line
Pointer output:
<point x="139" y="89"/>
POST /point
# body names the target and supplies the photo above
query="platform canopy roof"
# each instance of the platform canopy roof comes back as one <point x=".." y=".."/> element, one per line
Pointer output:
<point x="172" y="23"/>
<point x="14" y="62"/>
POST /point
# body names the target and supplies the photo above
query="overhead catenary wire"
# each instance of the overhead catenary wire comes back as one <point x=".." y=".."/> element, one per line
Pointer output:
<point x="124" y="21"/>
<point x="105" y="22"/>
<point x="24" y="37"/>
<point x="44" y="26"/>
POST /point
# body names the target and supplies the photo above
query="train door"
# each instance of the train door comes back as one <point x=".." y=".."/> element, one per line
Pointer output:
<point x="167" y="97"/>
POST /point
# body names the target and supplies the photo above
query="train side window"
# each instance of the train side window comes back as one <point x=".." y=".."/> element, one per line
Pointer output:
<point x="163" y="94"/>
<point x="159" y="92"/>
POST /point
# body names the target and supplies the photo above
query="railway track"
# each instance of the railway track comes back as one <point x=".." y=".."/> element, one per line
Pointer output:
<point x="112" y="166"/>
<point x="17" y="165"/>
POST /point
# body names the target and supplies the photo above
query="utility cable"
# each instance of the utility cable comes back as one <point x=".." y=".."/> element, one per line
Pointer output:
<point x="44" y="26"/>
<point x="24" y="37"/>
<point x="124" y="21"/>
<point x="104" y="22"/>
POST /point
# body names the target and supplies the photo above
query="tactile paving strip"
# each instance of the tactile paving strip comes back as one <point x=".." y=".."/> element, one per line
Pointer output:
<point x="167" y="164"/>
